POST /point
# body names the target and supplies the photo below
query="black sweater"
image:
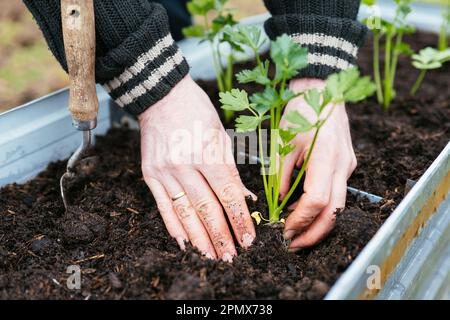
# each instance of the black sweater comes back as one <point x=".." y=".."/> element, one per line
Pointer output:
<point x="138" y="62"/>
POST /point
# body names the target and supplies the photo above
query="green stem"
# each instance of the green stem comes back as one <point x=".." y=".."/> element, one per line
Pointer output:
<point x="276" y="214"/>
<point x="300" y="175"/>
<point x="376" y="67"/>
<point x="398" y="42"/>
<point x="443" y="41"/>
<point x="418" y="82"/>
<point x="228" y="85"/>
<point x="387" y="72"/>
<point x="263" y="169"/>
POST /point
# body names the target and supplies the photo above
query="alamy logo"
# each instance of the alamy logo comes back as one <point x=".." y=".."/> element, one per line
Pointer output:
<point x="74" y="280"/>
<point x="374" y="280"/>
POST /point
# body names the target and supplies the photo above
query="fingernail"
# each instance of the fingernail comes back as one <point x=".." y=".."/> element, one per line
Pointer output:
<point x="181" y="244"/>
<point x="227" y="257"/>
<point x="289" y="234"/>
<point x="247" y="240"/>
<point x="252" y="195"/>
<point x="294" y="250"/>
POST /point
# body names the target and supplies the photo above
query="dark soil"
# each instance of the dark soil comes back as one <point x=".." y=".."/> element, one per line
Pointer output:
<point x="118" y="238"/>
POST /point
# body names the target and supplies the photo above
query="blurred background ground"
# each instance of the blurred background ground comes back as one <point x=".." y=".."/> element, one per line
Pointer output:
<point x="28" y="69"/>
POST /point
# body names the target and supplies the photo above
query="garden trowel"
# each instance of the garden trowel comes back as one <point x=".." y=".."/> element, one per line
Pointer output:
<point x="78" y="25"/>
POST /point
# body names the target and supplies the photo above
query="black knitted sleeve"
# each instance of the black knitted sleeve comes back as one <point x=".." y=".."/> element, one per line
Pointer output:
<point x="137" y="60"/>
<point x="328" y="28"/>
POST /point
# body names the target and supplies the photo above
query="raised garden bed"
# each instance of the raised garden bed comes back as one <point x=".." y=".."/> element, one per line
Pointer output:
<point x="121" y="244"/>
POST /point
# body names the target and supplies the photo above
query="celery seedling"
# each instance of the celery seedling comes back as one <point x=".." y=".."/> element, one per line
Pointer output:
<point x="213" y="33"/>
<point x="392" y="33"/>
<point x="268" y="105"/>
<point x="428" y="59"/>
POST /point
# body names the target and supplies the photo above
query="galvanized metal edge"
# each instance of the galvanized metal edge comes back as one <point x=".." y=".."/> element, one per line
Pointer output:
<point x="40" y="132"/>
<point x="423" y="270"/>
<point x="353" y="283"/>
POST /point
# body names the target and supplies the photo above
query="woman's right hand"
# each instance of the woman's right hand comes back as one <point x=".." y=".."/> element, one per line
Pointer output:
<point x="185" y="149"/>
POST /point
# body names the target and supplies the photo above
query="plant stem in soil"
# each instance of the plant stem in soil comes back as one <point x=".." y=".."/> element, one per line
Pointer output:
<point x="376" y="67"/>
<point x="387" y="72"/>
<point x="418" y="82"/>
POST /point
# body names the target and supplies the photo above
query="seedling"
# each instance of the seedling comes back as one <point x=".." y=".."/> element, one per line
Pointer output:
<point x="268" y="105"/>
<point x="392" y="33"/>
<point x="213" y="33"/>
<point x="428" y="59"/>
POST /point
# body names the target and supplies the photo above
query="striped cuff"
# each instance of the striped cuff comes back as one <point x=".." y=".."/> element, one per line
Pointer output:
<point x="144" y="68"/>
<point x="333" y="43"/>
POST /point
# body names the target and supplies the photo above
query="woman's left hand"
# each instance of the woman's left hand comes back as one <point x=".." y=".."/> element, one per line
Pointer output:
<point x="331" y="164"/>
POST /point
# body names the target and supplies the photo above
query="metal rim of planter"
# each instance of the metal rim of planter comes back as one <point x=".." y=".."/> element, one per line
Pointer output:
<point x="410" y="250"/>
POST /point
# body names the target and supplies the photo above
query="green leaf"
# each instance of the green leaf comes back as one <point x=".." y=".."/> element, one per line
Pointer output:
<point x="369" y="2"/>
<point x="194" y="31"/>
<point x="361" y="89"/>
<point x="221" y="21"/>
<point x="247" y="123"/>
<point x="286" y="135"/>
<point x="430" y="58"/>
<point x="200" y="7"/>
<point x="313" y="99"/>
<point x="285" y="150"/>
<point x="288" y="95"/>
<point x="289" y="57"/>
<point x="347" y="86"/>
<point x="302" y="124"/>
<point x="405" y="49"/>
<point x="257" y="75"/>
<point x="234" y="100"/>
<point x="250" y="36"/>
<point x="264" y="101"/>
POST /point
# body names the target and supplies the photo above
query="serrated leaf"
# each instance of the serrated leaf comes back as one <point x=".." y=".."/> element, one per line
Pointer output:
<point x="256" y="75"/>
<point x="247" y="123"/>
<point x="264" y="101"/>
<point x="250" y="36"/>
<point x="288" y="95"/>
<point x="285" y="150"/>
<point x="234" y="100"/>
<point x="313" y="99"/>
<point x="289" y="57"/>
<point x="286" y="136"/>
<point x="361" y="89"/>
<point x="347" y="86"/>
<point x="301" y="123"/>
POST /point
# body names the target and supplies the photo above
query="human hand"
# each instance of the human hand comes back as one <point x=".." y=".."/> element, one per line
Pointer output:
<point x="331" y="164"/>
<point x="185" y="149"/>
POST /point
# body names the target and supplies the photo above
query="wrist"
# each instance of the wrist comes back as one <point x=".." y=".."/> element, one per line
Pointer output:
<point x="175" y="97"/>
<point x="304" y="84"/>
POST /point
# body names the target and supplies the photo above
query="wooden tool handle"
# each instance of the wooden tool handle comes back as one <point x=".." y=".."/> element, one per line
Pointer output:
<point x="78" y="24"/>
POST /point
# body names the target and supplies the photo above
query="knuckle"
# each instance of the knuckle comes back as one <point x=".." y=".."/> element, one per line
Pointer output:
<point x="184" y="211"/>
<point x="207" y="207"/>
<point x="229" y="192"/>
<point x="304" y="220"/>
<point x="318" y="200"/>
